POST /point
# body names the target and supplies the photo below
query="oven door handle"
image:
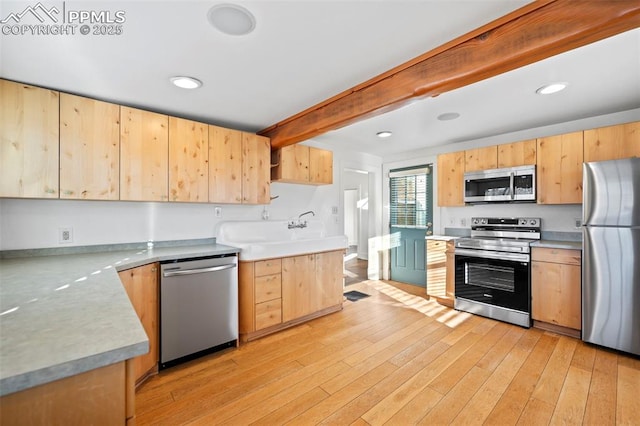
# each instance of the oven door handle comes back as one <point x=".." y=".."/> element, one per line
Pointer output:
<point x="517" y="257"/>
<point x="511" y="188"/>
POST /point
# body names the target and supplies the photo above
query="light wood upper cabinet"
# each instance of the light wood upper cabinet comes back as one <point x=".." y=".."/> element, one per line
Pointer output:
<point x="320" y="166"/>
<point x="89" y="149"/>
<point x="29" y="123"/>
<point x="256" y="169"/>
<point x="144" y="155"/>
<point x="141" y="284"/>
<point x="481" y="159"/>
<point x="239" y="167"/>
<point x="515" y="154"/>
<point x="291" y="164"/>
<point x="302" y="164"/>
<point x="559" y="170"/>
<point x="612" y="143"/>
<point x="188" y="160"/>
<point x="225" y="165"/>
<point x="556" y="294"/>
<point x="450" y="179"/>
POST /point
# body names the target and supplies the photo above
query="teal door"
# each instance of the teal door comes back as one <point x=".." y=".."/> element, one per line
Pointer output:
<point x="410" y="221"/>
<point x="408" y="255"/>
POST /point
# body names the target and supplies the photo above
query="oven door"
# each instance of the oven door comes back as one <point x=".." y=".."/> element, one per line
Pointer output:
<point x="495" y="278"/>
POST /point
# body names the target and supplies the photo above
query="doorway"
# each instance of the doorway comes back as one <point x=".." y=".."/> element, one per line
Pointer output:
<point x="356" y="224"/>
<point x="411" y="219"/>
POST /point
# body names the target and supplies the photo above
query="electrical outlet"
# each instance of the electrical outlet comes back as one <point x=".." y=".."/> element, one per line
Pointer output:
<point x="217" y="211"/>
<point x="463" y="222"/>
<point x="334" y="210"/>
<point x="452" y="221"/>
<point x="65" y="235"/>
<point x="578" y="223"/>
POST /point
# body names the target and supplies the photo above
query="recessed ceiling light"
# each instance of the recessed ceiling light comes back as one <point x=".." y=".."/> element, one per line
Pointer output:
<point x="186" y="82"/>
<point x="384" y="134"/>
<point x="448" y="116"/>
<point x="551" y="88"/>
<point x="231" y="19"/>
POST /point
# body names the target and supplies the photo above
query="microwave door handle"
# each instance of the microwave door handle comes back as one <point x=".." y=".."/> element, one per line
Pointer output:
<point x="511" y="183"/>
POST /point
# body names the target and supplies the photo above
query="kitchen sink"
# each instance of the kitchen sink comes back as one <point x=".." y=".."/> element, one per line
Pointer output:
<point x="274" y="238"/>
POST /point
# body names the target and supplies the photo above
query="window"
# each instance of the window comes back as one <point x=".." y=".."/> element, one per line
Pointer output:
<point x="411" y="197"/>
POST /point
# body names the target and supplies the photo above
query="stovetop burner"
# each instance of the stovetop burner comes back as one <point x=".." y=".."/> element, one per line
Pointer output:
<point x="502" y="234"/>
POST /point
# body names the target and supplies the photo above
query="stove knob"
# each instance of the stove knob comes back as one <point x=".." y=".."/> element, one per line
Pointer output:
<point x="484" y="221"/>
<point x="475" y="220"/>
<point x="533" y="222"/>
<point x="522" y="222"/>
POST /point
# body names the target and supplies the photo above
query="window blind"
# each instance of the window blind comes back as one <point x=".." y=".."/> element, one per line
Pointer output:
<point x="411" y="194"/>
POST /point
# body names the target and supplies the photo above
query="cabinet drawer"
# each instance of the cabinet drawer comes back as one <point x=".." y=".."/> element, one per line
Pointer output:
<point x="268" y="287"/>
<point x="436" y="245"/>
<point x="268" y="313"/>
<point x="553" y="255"/>
<point x="268" y="267"/>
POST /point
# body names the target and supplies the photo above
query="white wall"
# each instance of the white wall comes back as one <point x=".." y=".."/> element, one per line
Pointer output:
<point x="28" y="223"/>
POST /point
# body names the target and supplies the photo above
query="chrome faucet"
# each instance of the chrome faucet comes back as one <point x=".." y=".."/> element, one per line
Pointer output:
<point x="306" y="213"/>
<point x="297" y="223"/>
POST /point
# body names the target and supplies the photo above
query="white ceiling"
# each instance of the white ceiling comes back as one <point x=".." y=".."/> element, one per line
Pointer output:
<point x="303" y="52"/>
<point x="603" y="77"/>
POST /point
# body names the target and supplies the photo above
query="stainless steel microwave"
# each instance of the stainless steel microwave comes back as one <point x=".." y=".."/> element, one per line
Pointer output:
<point x="501" y="185"/>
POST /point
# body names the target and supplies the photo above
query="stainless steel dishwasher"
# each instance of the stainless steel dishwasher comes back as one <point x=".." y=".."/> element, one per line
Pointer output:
<point x="198" y="307"/>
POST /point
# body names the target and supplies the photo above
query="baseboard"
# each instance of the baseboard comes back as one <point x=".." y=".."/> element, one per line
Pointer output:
<point x="558" y="329"/>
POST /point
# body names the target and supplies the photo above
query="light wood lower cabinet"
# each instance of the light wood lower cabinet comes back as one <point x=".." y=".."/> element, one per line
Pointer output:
<point x="298" y="286"/>
<point x="96" y="397"/>
<point x="141" y="284"/>
<point x="440" y="271"/>
<point x="451" y="271"/>
<point x="329" y="279"/>
<point x="278" y="293"/>
<point x="556" y="289"/>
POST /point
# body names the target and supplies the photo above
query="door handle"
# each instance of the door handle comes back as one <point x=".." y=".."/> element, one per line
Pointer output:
<point x="173" y="273"/>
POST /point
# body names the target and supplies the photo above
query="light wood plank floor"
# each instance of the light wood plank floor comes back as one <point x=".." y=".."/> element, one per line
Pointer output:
<point x="394" y="358"/>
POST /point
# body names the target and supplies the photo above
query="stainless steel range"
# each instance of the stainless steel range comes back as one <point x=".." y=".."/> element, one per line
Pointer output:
<point x="493" y="268"/>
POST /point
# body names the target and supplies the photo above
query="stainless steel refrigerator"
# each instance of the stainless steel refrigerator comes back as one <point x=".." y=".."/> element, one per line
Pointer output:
<point x="611" y="254"/>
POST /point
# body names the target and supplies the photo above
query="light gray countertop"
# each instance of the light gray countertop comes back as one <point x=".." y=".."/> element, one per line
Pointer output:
<point x="440" y="237"/>
<point x="571" y="245"/>
<point x="62" y="315"/>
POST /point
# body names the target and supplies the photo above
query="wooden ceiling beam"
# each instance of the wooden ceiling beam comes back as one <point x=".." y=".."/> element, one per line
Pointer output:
<point x="532" y="33"/>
